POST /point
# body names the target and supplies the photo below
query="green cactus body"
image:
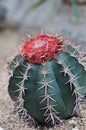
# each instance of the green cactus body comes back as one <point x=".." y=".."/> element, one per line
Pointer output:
<point x="47" y="88"/>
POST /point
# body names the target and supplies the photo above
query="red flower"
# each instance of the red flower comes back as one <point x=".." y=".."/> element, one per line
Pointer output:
<point x="41" y="48"/>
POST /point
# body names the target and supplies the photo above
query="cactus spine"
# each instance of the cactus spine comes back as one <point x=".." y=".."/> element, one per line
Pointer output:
<point x="47" y="79"/>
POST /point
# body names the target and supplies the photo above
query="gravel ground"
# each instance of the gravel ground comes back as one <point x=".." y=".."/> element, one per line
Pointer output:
<point x="9" y="120"/>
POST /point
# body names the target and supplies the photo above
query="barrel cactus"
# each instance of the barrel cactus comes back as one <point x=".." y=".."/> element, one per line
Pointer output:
<point x="47" y="79"/>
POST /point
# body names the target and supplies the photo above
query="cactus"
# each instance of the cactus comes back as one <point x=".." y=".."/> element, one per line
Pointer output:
<point x="47" y="79"/>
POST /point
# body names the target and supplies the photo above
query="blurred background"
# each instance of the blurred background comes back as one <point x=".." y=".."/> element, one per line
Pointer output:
<point x="21" y="17"/>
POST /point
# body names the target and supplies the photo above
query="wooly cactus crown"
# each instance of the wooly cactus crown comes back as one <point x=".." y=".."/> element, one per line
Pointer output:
<point x="47" y="79"/>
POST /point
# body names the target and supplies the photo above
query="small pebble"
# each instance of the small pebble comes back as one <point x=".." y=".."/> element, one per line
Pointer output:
<point x="76" y="128"/>
<point x="72" y="122"/>
<point x="1" y="128"/>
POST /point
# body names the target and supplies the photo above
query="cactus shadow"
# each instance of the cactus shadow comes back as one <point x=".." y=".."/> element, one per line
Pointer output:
<point x="42" y="128"/>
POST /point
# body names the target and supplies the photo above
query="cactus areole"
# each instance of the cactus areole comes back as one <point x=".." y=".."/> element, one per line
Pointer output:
<point x="47" y="79"/>
<point x="41" y="48"/>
